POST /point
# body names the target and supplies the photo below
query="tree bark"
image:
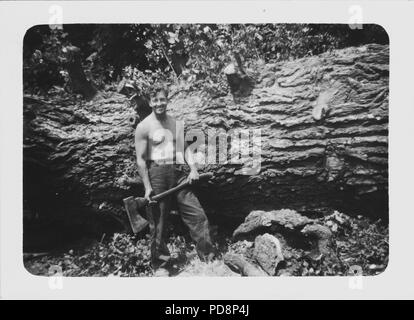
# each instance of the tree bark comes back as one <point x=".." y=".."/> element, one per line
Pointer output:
<point x="324" y="142"/>
<point x="324" y="127"/>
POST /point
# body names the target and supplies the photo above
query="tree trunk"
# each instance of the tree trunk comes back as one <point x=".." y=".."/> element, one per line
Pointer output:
<point x="324" y="144"/>
<point x="77" y="76"/>
<point x="324" y="134"/>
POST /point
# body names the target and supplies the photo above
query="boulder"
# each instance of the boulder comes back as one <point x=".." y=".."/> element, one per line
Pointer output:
<point x="320" y="236"/>
<point x="268" y="252"/>
<point x="285" y="218"/>
<point x="238" y="263"/>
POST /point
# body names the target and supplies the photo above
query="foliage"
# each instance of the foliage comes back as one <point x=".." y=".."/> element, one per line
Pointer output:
<point x="189" y="52"/>
<point x="358" y="241"/>
<point x="41" y="65"/>
<point x="121" y="256"/>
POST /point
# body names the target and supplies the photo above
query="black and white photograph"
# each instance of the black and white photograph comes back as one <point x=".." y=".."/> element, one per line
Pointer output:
<point x="179" y="150"/>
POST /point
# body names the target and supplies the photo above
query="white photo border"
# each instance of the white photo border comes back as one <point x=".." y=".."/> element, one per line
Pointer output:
<point x="395" y="17"/>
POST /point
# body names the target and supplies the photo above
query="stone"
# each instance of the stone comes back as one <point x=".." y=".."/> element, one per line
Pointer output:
<point x="239" y="264"/>
<point x="268" y="252"/>
<point x="320" y="236"/>
<point x="286" y="218"/>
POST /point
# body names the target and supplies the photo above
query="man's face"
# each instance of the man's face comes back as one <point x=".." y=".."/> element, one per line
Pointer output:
<point x="159" y="103"/>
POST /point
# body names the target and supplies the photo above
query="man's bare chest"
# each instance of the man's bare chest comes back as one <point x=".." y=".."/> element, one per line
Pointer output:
<point x="159" y="135"/>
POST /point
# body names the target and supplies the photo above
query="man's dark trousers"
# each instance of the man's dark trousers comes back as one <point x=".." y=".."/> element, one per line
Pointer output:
<point x="164" y="177"/>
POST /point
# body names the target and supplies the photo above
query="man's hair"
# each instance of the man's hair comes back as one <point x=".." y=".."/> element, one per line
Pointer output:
<point x="159" y="88"/>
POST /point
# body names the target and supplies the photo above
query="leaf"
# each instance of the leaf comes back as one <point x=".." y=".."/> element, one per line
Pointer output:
<point x="173" y="38"/>
<point x="258" y="36"/>
<point x="148" y="44"/>
<point x="92" y="57"/>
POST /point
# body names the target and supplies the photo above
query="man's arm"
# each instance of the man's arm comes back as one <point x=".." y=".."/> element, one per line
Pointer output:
<point x="189" y="158"/>
<point x="141" y="142"/>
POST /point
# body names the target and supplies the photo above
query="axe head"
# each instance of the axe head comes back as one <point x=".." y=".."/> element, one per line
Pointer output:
<point x="132" y="206"/>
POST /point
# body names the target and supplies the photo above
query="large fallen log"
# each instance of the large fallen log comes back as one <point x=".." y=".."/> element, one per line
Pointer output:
<point x="324" y="144"/>
<point x="324" y="133"/>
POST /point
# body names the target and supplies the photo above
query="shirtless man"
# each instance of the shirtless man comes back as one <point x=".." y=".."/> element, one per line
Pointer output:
<point x="159" y="140"/>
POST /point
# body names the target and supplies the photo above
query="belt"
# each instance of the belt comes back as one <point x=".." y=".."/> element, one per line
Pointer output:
<point x="152" y="163"/>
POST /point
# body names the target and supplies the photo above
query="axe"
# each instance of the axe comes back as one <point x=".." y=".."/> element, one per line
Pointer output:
<point x="133" y="205"/>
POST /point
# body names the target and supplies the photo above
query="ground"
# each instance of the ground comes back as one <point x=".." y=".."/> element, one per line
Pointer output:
<point x="358" y="244"/>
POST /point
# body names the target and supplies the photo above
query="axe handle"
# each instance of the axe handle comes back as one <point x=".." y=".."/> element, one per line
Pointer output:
<point x="179" y="187"/>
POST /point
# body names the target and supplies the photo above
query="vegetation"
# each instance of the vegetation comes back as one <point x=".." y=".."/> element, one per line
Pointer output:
<point x="358" y="241"/>
<point x="144" y="53"/>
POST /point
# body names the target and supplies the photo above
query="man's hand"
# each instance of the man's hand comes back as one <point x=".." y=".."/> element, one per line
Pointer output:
<point x="148" y="194"/>
<point x="193" y="176"/>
